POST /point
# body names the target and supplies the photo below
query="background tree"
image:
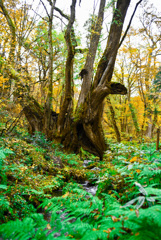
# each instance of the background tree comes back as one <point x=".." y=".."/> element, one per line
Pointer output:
<point x="137" y="64"/>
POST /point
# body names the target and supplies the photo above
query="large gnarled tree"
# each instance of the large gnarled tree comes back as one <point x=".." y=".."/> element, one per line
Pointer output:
<point x="80" y="127"/>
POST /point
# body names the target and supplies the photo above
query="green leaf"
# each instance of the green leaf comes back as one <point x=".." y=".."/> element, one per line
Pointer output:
<point x="140" y="202"/>
<point x="3" y="186"/>
<point x="141" y="189"/>
<point x="2" y="155"/>
<point x="130" y="202"/>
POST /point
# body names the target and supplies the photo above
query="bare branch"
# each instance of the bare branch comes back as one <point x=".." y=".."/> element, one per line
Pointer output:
<point x="60" y="19"/>
<point x="39" y="15"/>
<point x="129" y="23"/>
<point x="45" y="8"/>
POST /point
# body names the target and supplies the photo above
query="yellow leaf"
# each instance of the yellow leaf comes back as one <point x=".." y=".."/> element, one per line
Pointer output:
<point x="133" y="159"/>
<point x="48" y="226"/>
<point x="108" y="230"/>
<point x="96" y="216"/>
<point x="115" y="219"/>
<point x="66" y="195"/>
<point x="70" y="236"/>
<point x="136" y="234"/>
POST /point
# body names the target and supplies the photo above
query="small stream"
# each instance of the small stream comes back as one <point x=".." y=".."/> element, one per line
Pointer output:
<point x="89" y="188"/>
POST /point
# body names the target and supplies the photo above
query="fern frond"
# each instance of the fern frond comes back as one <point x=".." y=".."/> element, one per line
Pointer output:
<point x="22" y="230"/>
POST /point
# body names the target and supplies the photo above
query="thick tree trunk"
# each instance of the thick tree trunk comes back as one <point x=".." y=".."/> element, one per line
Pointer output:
<point x="89" y="111"/>
<point x="67" y="105"/>
<point x="86" y="132"/>
<point x="89" y="136"/>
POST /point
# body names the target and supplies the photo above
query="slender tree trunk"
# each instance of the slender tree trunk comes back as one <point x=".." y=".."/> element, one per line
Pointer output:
<point x="158" y="136"/>
<point x="134" y="118"/>
<point x="113" y="120"/>
<point x="48" y="104"/>
<point x="144" y="121"/>
<point x="150" y="126"/>
<point x="154" y="120"/>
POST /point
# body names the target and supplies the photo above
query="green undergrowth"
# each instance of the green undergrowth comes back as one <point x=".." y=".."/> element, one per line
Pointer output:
<point x="42" y="195"/>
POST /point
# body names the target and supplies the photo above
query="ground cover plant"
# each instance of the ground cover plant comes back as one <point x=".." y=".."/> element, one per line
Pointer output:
<point x="43" y="195"/>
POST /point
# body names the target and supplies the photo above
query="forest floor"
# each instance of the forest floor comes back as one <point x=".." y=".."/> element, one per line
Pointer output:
<point x="46" y="193"/>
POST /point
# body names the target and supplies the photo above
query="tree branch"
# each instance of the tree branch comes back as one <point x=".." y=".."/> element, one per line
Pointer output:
<point x="94" y="40"/>
<point x="129" y="23"/>
<point x="61" y="13"/>
<point x="104" y="71"/>
<point x="45" y="8"/>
